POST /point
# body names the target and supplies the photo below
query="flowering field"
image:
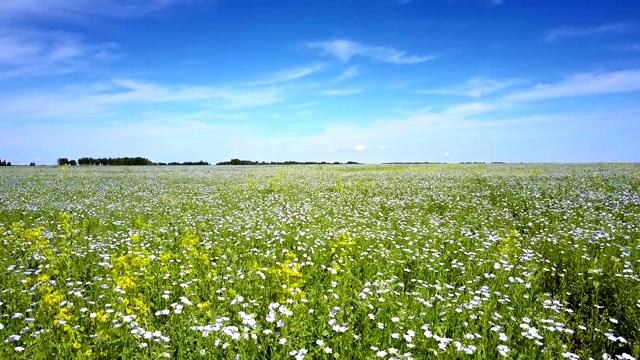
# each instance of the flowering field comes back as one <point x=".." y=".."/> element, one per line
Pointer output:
<point x="352" y="262"/>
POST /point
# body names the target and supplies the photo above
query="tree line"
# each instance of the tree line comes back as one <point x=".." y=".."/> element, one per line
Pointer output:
<point x="84" y="161"/>
<point x="249" y="162"/>
<point x="5" y="163"/>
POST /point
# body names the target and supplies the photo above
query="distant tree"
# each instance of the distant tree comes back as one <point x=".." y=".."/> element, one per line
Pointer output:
<point x="32" y="164"/>
<point x="63" y="161"/>
<point x="9" y="163"/>
<point x="73" y="163"/>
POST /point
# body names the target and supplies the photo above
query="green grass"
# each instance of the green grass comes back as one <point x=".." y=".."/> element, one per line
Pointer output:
<point x="353" y="262"/>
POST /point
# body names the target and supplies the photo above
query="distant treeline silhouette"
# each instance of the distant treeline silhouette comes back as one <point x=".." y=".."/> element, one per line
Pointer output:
<point x="184" y="163"/>
<point x="121" y="161"/>
<point x="249" y="162"/>
<point x="5" y="163"/>
<point x="412" y="163"/>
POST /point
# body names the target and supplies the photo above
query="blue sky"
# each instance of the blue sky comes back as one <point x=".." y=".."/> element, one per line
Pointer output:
<point x="333" y="80"/>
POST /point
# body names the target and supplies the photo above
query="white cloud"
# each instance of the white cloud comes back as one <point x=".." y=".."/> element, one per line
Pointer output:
<point x="582" y="85"/>
<point x="565" y="32"/>
<point x="120" y="93"/>
<point x="359" y="148"/>
<point x="341" y="92"/>
<point x="18" y="10"/>
<point x="476" y="87"/>
<point x="33" y="53"/>
<point x="289" y="74"/>
<point x="349" y="72"/>
<point x="346" y="49"/>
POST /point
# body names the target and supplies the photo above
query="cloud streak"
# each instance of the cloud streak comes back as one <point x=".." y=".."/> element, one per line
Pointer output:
<point x="123" y="93"/>
<point x="34" y="53"/>
<point x="583" y="84"/>
<point x="341" y="92"/>
<point x="289" y="75"/>
<point x="476" y="87"/>
<point x="13" y="10"/>
<point x="566" y="32"/>
<point x="346" y="49"/>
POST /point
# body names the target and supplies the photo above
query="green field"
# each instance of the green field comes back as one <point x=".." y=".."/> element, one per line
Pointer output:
<point x="320" y="262"/>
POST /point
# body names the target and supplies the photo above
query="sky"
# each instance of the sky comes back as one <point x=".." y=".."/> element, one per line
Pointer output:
<point x="334" y="80"/>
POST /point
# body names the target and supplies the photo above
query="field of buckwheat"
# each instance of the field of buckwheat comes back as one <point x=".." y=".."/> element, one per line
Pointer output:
<point x="320" y="262"/>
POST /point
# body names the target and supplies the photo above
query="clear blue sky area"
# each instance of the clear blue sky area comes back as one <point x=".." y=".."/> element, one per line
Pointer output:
<point x="332" y="80"/>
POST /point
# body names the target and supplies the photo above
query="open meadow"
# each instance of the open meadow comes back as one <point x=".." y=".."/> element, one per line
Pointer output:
<point x="320" y="262"/>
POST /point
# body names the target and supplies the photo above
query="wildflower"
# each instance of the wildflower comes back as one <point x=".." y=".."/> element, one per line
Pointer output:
<point x="328" y="350"/>
<point x="185" y="301"/>
<point x="570" y="355"/>
<point x="12" y="338"/>
<point x="503" y="350"/>
<point x="282" y="341"/>
<point x="19" y="349"/>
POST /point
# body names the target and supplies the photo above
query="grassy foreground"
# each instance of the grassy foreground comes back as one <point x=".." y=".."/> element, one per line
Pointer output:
<point x="351" y="262"/>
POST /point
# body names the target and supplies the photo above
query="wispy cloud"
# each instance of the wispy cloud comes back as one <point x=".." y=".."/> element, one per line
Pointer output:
<point x="122" y="93"/>
<point x="341" y="92"/>
<point x="346" y="49"/>
<point x="495" y="2"/>
<point x="349" y="72"/>
<point x="18" y="10"/>
<point x="565" y="32"/>
<point x="289" y="74"/>
<point x="32" y="53"/>
<point x="582" y="85"/>
<point x="476" y="87"/>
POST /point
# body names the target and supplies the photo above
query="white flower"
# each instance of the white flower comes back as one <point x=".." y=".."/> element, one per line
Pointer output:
<point x="503" y="337"/>
<point x="203" y="352"/>
<point x="271" y="316"/>
<point x="328" y="350"/>
<point x="19" y="349"/>
<point x="282" y="341"/>
<point x="185" y="301"/>
<point x="12" y="338"/>
<point x="381" y="354"/>
<point x="503" y="349"/>
<point x="320" y="342"/>
<point x="395" y="319"/>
